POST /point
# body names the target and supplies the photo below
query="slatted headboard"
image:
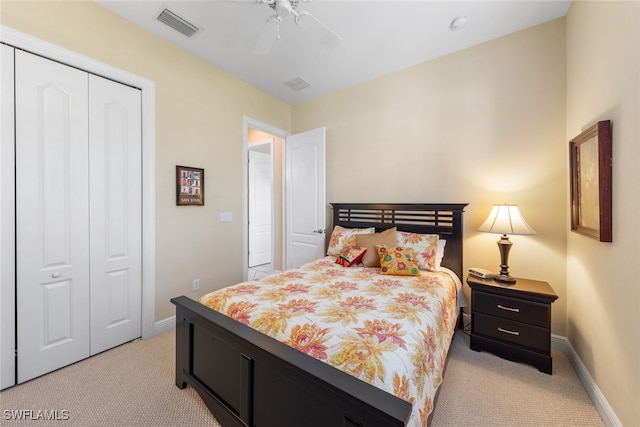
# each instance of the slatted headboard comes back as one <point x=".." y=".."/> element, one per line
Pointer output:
<point x="425" y="218"/>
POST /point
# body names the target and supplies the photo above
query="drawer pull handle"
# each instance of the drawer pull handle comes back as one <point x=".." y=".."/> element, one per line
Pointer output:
<point x="506" y="331"/>
<point x="502" y="307"/>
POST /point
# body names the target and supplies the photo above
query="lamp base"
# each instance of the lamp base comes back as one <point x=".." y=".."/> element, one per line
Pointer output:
<point x="505" y="246"/>
<point x="504" y="278"/>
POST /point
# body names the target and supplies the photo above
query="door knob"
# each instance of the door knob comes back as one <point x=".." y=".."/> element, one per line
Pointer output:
<point x="56" y="274"/>
<point x="319" y="231"/>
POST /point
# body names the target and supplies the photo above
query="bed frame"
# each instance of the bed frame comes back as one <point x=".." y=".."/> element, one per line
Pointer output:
<point x="247" y="378"/>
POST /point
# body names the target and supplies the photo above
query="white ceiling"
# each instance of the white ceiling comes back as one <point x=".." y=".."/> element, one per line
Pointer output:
<point x="378" y="37"/>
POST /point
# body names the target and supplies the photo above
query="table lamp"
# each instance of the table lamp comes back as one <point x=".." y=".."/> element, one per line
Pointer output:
<point x="505" y="219"/>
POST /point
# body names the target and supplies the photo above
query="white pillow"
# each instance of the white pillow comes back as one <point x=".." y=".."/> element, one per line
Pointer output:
<point x="440" y="252"/>
<point x="342" y="238"/>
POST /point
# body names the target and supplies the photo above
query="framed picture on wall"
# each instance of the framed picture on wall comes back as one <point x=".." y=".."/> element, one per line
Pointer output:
<point x="189" y="186"/>
<point x="590" y="155"/>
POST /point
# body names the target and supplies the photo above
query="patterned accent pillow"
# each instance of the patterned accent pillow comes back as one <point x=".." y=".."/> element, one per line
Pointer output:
<point x="397" y="261"/>
<point x="424" y="247"/>
<point x="350" y="256"/>
<point x="342" y="238"/>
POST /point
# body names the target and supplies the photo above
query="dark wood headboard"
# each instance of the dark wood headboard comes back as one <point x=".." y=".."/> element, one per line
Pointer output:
<point x="425" y="218"/>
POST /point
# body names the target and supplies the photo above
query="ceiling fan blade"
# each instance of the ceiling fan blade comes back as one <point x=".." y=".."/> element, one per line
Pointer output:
<point x="323" y="34"/>
<point x="268" y="35"/>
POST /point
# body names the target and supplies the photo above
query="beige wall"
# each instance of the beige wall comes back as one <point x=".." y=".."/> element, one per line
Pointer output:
<point x="603" y="82"/>
<point x="199" y="122"/>
<point x="484" y="126"/>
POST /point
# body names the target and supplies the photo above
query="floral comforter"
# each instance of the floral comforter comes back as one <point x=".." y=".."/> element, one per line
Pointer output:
<point x="390" y="331"/>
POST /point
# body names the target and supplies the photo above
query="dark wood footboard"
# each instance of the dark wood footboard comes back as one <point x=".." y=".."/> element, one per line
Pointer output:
<point x="249" y="379"/>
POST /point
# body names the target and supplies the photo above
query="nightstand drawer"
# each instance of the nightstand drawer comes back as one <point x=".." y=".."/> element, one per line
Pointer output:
<point x="514" y="332"/>
<point x="511" y="308"/>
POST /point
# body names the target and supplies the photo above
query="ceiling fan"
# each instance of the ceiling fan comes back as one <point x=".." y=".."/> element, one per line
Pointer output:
<point x="283" y="8"/>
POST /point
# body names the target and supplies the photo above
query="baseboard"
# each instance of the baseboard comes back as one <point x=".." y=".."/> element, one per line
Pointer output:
<point x="599" y="401"/>
<point x="164" y="325"/>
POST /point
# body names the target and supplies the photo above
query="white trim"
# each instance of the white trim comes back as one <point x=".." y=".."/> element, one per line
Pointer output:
<point x="164" y="325"/>
<point x="7" y="221"/>
<point x="247" y="123"/>
<point x="559" y="343"/>
<point x="49" y="50"/>
<point x="148" y="209"/>
<point x="599" y="401"/>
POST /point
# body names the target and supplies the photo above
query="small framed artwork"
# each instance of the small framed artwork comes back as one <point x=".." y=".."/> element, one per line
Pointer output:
<point x="590" y="155"/>
<point x="189" y="186"/>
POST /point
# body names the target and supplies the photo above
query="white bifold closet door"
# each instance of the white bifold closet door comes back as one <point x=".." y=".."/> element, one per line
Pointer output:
<point x="115" y="199"/>
<point x="78" y="214"/>
<point x="52" y="215"/>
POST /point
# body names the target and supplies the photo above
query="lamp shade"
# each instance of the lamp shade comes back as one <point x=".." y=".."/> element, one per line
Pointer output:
<point x="506" y="219"/>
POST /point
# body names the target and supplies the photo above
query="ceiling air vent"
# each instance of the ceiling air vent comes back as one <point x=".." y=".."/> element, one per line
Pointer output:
<point x="177" y="23"/>
<point x="297" y="84"/>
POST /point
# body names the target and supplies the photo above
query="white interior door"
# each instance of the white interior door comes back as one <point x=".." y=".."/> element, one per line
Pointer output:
<point x="305" y="197"/>
<point x="7" y="221"/>
<point x="115" y="212"/>
<point x="52" y="216"/>
<point x="260" y="205"/>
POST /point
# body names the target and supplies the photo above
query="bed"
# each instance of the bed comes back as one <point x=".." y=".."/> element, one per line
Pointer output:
<point x="248" y="378"/>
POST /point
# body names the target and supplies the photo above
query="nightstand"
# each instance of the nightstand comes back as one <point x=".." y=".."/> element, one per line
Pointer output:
<point x="513" y="321"/>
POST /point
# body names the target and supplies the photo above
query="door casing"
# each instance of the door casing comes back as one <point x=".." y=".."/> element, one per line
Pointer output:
<point x="249" y="123"/>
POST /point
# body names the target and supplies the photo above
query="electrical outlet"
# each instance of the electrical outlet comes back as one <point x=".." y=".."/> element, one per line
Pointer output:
<point x="196" y="284"/>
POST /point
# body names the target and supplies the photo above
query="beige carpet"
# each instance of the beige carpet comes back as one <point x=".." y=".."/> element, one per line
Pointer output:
<point x="481" y="389"/>
<point x="133" y="385"/>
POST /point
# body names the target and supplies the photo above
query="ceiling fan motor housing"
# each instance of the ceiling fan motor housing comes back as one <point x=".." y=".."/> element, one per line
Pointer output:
<point x="284" y="7"/>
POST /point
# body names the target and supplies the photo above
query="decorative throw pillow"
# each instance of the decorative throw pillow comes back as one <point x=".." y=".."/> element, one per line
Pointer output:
<point x="342" y="238"/>
<point x="424" y="247"/>
<point x="397" y="261"/>
<point x="369" y="241"/>
<point x="351" y="255"/>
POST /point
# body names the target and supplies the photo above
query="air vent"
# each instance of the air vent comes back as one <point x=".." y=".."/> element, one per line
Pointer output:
<point x="177" y="23"/>
<point x="297" y="84"/>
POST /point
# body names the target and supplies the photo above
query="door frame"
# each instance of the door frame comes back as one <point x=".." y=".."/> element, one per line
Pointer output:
<point x="40" y="47"/>
<point x="248" y="122"/>
<point x="7" y="225"/>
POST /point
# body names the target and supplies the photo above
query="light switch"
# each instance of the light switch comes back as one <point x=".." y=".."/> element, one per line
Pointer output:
<point x="226" y="217"/>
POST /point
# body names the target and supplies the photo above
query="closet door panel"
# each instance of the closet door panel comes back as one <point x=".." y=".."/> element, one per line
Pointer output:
<point x="52" y="217"/>
<point x="116" y="212"/>
<point x="7" y="221"/>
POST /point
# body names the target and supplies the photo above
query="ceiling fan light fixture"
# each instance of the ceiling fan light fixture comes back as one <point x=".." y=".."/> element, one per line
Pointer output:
<point x="458" y="23"/>
<point x="271" y="29"/>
